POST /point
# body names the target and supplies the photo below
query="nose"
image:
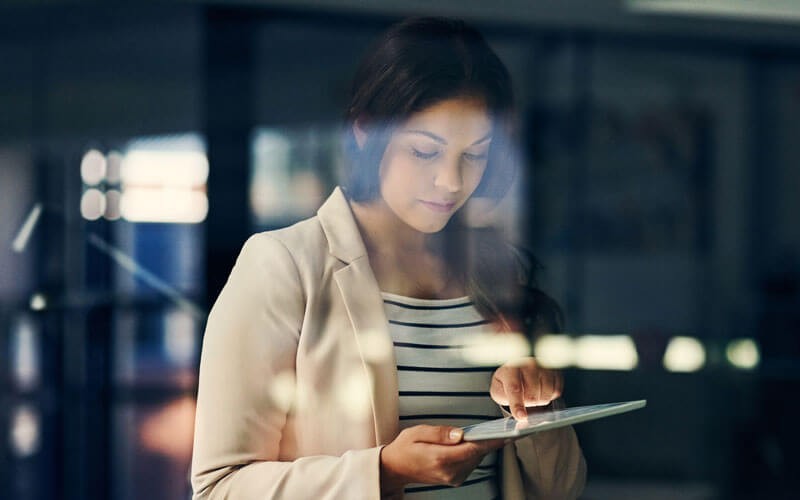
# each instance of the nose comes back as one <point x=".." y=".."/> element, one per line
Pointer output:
<point x="448" y="177"/>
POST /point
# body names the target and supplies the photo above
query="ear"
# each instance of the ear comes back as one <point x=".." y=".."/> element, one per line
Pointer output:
<point x="359" y="134"/>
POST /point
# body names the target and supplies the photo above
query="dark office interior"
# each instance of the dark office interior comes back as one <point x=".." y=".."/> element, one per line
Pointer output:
<point x="142" y="143"/>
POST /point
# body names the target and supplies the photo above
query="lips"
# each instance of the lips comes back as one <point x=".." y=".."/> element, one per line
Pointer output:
<point x="440" y="207"/>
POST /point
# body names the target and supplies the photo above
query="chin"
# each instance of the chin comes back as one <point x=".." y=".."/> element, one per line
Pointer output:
<point x="430" y="228"/>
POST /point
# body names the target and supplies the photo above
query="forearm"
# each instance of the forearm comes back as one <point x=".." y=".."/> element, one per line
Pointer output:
<point x="355" y="474"/>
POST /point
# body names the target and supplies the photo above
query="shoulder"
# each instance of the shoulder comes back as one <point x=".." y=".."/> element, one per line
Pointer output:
<point x="301" y="246"/>
<point x="304" y="237"/>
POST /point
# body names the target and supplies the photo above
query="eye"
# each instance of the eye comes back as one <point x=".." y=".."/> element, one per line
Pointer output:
<point x="422" y="154"/>
<point x="474" y="157"/>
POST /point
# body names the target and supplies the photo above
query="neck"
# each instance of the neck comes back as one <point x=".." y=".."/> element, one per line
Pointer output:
<point x="384" y="233"/>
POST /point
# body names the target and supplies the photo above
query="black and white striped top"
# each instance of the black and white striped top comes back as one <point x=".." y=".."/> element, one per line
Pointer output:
<point x="437" y="385"/>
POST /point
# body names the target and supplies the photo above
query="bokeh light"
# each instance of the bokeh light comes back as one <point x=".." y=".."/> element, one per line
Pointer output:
<point x="25" y="431"/>
<point x="684" y="354"/>
<point x="93" y="204"/>
<point x="743" y="354"/>
<point x="93" y="167"/>
<point x="606" y="352"/>
<point x="555" y="351"/>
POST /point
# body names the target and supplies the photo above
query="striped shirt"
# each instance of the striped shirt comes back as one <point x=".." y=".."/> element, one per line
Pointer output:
<point x="437" y="385"/>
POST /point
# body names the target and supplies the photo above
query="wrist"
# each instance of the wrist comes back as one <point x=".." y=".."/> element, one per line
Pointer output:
<point x="392" y="483"/>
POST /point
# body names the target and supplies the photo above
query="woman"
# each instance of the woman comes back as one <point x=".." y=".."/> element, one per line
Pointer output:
<point x="332" y="364"/>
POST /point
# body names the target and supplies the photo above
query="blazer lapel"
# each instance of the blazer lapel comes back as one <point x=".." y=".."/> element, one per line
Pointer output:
<point x="365" y="308"/>
<point x="364" y="305"/>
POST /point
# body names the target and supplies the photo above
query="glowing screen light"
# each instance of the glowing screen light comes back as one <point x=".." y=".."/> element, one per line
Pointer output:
<point x="743" y="354"/>
<point x="684" y="354"/>
<point x="605" y="352"/>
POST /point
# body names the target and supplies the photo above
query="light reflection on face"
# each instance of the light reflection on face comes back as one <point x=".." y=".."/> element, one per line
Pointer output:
<point x="435" y="161"/>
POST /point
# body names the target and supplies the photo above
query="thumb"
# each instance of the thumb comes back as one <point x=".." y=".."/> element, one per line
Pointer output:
<point x="437" y="434"/>
<point x="454" y="434"/>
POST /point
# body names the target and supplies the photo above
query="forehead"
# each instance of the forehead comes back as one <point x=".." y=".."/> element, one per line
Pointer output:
<point x="462" y="119"/>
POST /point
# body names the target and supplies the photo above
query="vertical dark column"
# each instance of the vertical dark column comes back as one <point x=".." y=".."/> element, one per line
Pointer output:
<point x="579" y="125"/>
<point x="228" y="101"/>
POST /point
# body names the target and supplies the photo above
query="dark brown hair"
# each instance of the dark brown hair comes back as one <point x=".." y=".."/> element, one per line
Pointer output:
<point x="415" y="64"/>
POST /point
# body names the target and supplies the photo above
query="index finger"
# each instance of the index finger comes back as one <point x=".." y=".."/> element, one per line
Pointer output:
<point x="511" y="379"/>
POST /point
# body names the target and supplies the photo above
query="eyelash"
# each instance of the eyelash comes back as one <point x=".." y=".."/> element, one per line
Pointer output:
<point x="424" y="156"/>
<point x="429" y="156"/>
<point x="475" y="157"/>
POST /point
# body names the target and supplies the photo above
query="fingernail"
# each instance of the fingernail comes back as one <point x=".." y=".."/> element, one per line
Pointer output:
<point x="521" y="415"/>
<point x="455" y="434"/>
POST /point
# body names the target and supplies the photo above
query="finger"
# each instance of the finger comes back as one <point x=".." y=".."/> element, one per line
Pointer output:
<point x="436" y="434"/>
<point x="498" y="392"/>
<point x="513" y="385"/>
<point x="462" y="452"/>
<point x="490" y="444"/>
<point x="532" y="386"/>
<point x="548" y="381"/>
<point x="559" y="385"/>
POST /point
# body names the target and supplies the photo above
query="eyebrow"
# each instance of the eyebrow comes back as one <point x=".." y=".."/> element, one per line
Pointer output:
<point x="441" y="140"/>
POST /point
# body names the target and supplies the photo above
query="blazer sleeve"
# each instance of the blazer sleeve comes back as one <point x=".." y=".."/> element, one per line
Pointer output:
<point x="250" y="342"/>
<point x="551" y="463"/>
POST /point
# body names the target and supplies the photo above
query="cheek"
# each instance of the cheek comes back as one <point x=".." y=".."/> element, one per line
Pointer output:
<point x="473" y="176"/>
<point x="398" y="177"/>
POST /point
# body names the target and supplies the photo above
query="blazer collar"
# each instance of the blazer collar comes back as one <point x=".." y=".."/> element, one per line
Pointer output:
<point x="339" y="225"/>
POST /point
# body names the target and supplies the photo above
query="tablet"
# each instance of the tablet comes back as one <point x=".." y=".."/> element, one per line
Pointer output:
<point x="510" y="428"/>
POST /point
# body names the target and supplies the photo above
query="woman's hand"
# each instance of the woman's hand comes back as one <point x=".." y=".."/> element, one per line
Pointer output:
<point x="431" y="455"/>
<point x="524" y="382"/>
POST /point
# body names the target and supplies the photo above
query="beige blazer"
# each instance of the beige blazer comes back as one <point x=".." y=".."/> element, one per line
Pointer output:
<point x="298" y="384"/>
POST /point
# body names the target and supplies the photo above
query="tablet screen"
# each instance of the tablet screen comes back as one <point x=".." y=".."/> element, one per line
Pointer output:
<point x="509" y="427"/>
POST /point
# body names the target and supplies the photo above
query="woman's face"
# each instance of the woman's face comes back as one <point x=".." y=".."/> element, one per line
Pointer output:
<point x="434" y="162"/>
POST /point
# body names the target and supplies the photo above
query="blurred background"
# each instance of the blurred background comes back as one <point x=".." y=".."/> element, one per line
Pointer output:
<point x="141" y="143"/>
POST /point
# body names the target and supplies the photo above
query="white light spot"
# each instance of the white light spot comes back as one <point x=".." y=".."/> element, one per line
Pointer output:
<point x="112" y="205"/>
<point x="93" y="204"/>
<point x="605" y="352"/>
<point x="25" y="353"/>
<point x="24" y="431"/>
<point x="376" y="347"/>
<point x="555" y="351"/>
<point x="282" y="390"/>
<point x="179" y="337"/>
<point x="114" y="167"/>
<point x="163" y="205"/>
<point x="24" y="233"/>
<point x="38" y="302"/>
<point x="93" y="167"/>
<point x="176" y="169"/>
<point x="684" y="354"/>
<point x="743" y="354"/>
<point x="495" y="349"/>
<point x="354" y="396"/>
